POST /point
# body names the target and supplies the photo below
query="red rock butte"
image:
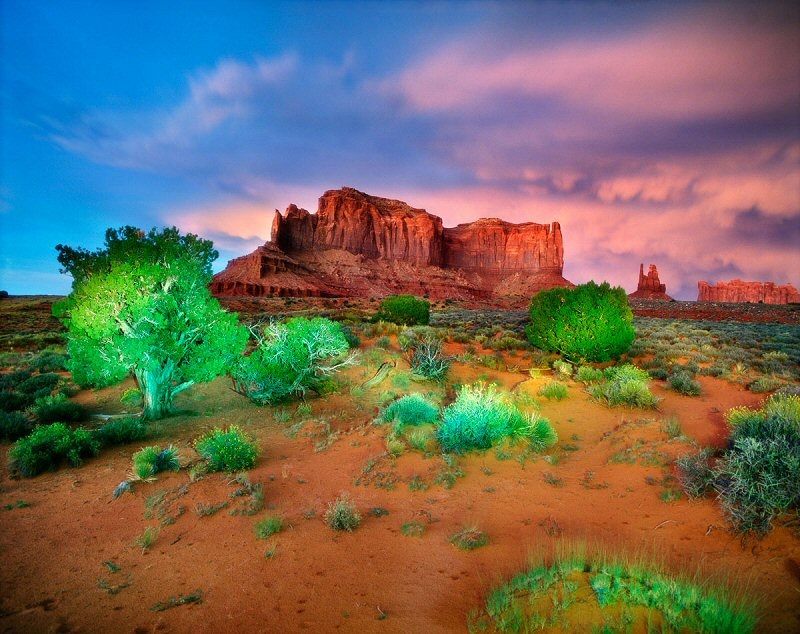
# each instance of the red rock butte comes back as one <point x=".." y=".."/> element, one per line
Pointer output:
<point x="650" y="287"/>
<point x="357" y="245"/>
<point x="738" y="291"/>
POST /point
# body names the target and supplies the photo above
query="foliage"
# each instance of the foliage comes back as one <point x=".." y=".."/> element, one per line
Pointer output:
<point x="49" y="361"/>
<point x="554" y="391"/>
<point x="624" y="385"/>
<point x="412" y="409"/>
<point x="481" y="416"/>
<point x="45" y="448"/>
<point x="683" y="382"/>
<point x="589" y="322"/>
<point x="562" y="368"/>
<point x="58" y="408"/>
<point x="292" y="358"/>
<point x="149" y="461"/>
<point x="121" y="431"/>
<point x="758" y="477"/>
<point x="469" y="538"/>
<point x="588" y="374"/>
<point x="695" y="472"/>
<point x="268" y="526"/>
<point x="141" y="306"/>
<point x="428" y="360"/>
<point x="636" y="591"/>
<point x="228" y="449"/>
<point x="14" y="425"/>
<point x="342" y="514"/>
<point x="404" y="309"/>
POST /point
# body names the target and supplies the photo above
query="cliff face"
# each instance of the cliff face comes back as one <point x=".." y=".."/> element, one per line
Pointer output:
<point x="397" y="248"/>
<point x="752" y="292"/>
<point x="650" y="287"/>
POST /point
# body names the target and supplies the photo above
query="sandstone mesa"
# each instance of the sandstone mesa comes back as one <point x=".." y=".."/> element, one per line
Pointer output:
<point x="357" y="245"/>
<point x="738" y="291"/>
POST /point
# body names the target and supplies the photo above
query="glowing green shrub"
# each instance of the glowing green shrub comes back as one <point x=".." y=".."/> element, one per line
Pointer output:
<point x="404" y="309"/>
<point x="410" y="410"/>
<point x="554" y="391"/>
<point x="589" y="322"/>
<point x="48" y="445"/>
<point x="149" y="461"/>
<point x="624" y="385"/>
<point x="121" y="431"/>
<point x="227" y="449"/>
<point x="292" y="358"/>
<point x="481" y="417"/>
<point x="141" y="306"/>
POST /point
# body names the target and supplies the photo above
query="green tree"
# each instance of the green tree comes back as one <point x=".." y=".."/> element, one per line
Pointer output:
<point x="146" y="311"/>
<point x="404" y="309"/>
<point x="589" y="322"/>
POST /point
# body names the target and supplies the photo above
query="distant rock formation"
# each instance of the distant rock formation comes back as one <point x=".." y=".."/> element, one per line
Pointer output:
<point x="362" y="245"/>
<point x="650" y="287"/>
<point x="752" y="292"/>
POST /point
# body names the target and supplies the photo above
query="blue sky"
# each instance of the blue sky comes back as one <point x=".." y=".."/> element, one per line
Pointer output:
<point x="654" y="132"/>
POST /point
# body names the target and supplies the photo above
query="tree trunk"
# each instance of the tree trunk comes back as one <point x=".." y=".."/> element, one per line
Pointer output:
<point x="156" y="392"/>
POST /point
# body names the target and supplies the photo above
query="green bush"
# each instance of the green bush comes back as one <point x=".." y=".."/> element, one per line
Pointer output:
<point x="121" y="431"/>
<point x="50" y="362"/>
<point x="695" y="472"/>
<point x="14" y="425"/>
<point x="683" y="382"/>
<point x="227" y="449"/>
<point x="758" y="477"/>
<point x="12" y="401"/>
<point x="269" y="526"/>
<point x="39" y="384"/>
<point x="58" y="408"/>
<point x="410" y="410"/>
<point x="342" y="514"/>
<point x="48" y="445"/>
<point x="427" y="359"/>
<point x="292" y="358"/>
<point x="404" y="309"/>
<point x="481" y="417"/>
<point x="149" y="461"/>
<point x="554" y="391"/>
<point x="588" y="374"/>
<point x="765" y="384"/>
<point x="624" y="385"/>
<point x="589" y="322"/>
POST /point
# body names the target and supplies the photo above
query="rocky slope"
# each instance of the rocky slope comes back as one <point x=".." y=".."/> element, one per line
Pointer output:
<point x="362" y="245"/>
<point x="754" y="292"/>
<point x="650" y="287"/>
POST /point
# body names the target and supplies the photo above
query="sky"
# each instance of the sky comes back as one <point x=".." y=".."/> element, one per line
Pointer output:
<point x="654" y="132"/>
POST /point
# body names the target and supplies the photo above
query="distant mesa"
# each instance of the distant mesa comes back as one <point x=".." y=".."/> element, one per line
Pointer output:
<point x="751" y="292"/>
<point x="357" y="245"/>
<point x="650" y="287"/>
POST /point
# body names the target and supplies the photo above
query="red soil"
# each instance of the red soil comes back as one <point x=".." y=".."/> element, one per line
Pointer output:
<point x="375" y="579"/>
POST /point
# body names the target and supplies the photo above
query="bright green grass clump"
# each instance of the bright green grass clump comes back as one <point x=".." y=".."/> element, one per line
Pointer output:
<point x="227" y="449"/>
<point x="624" y="385"/>
<point x="268" y="526"/>
<point x="620" y="595"/>
<point x="48" y="445"/>
<point x="554" y="391"/>
<point x="410" y="410"/>
<point x="482" y="417"/>
<point x="149" y="461"/>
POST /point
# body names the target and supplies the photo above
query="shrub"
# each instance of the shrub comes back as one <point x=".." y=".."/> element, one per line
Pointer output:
<point x="588" y="374"/>
<point x="412" y="409"/>
<point x="562" y="368"/>
<point x="268" y="526"/>
<point x="554" y="391"/>
<point x="292" y="358"/>
<point x="149" y="461"/>
<point x="469" y="538"/>
<point x="428" y="361"/>
<point x="14" y="425"/>
<point x="58" y="408"/>
<point x="121" y="431"/>
<point x="45" y="448"/>
<point x="683" y="382"/>
<point x="695" y="473"/>
<point x="12" y="401"/>
<point x="39" y="385"/>
<point x="350" y="337"/>
<point x="12" y="380"/>
<point x="227" y="449"/>
<point x="765" y="384"/>
<point x="759" y="476"/>
<point x="342" y="514"/>
<point x="481" y="417"/>
<point x="589" y="322"/>
<point x="404" y="309"/>
<point x="624" y="385"/>
<point x="49" y="362"/>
